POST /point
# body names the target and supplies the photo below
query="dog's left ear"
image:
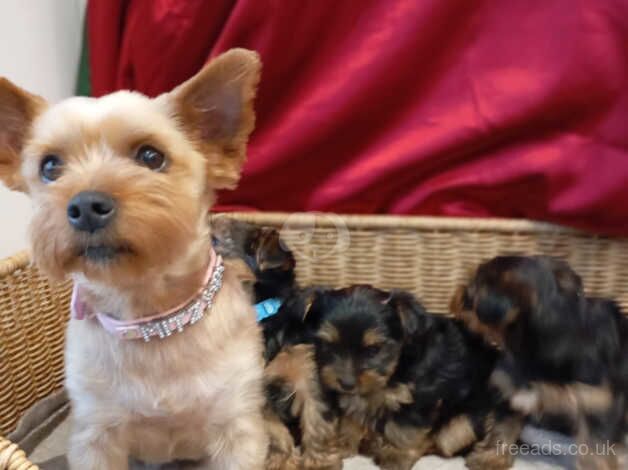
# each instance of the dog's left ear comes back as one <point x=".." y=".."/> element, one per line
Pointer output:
<point x="18" y="110"/>
<point x="216" y="109"/>
<point x="412" y="315"/>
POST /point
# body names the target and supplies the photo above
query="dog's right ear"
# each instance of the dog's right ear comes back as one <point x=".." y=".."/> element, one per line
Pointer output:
<point x="215" y="107"/>
<point x="412" y="314"/>
<point x="317" y="302"/>
<point x="307" y="301"/>
<point x="18" y="110"/>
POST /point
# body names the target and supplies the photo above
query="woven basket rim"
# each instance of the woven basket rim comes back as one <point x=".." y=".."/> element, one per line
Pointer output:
<point x="14" y="262"/>
<point x="409" y="222"/>
<point x="329" y="219"/>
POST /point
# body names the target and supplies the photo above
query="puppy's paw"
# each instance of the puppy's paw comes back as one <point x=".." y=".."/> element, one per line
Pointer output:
<point x="525" y="401"/>
<point x="488" y="459"/>
<point x="281" y="462"/>
<point x="309" y="462"/>
<point x="503" y="382"/>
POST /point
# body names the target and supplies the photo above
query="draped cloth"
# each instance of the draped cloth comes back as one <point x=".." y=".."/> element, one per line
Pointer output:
<point x="435" y="107"/>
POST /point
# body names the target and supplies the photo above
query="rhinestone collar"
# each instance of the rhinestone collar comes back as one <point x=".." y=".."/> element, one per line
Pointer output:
<point x="162" y="324"/>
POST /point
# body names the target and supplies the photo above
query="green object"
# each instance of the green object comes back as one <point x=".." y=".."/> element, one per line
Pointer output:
<point x="83" y="83"/>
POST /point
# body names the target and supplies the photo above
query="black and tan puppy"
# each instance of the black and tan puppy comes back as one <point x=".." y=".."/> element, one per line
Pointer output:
<point x="565" y="354"/>
<point x="269" y="262"/>
<point x="388" y="379"/>
<point x="403" y="382"/>
<point x="295" y="412"/>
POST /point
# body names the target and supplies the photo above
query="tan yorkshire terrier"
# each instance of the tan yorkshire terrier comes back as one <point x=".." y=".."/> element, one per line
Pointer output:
<point x="164" y="357"/>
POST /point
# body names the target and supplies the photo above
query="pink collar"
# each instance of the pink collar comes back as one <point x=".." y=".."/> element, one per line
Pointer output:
<point x="161" y="324"/>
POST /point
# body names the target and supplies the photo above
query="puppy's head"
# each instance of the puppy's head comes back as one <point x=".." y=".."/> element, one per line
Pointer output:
<point x="359" y="333"/>
<point x="263" y="251"/>
<point x="121" y="184"/>
<point x="508" y="290"/>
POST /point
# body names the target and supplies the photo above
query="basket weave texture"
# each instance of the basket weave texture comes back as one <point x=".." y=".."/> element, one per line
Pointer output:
<point x="429" y="256"/>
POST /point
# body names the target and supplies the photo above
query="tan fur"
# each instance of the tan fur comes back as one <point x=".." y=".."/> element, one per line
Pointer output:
<point x="351" y="435"/>
<point x="18" y="109"/>
<point x="370" y="380"/>
<point x="195" y="395"/>
<point x="487" y="453"/>
<point x="352" y="432"/>
<point x="296" y="366"/>
<point x="308" y="304"/>
<point x="455" y="436"/>
<point x="571" y="399"/>
<point x="574" y="400"/>
<point x="270" y="254"/>
<point x="399" y="447"/>
<point x="244" y="274"/>
<point x="282" y="451"/>
<point x="328" y="333"/>
<point x="372" y="338"/>
<point x="359" y="414"/>
<point x="216" y="110"/>
<point x="329" y="377"/>
<point x="492" y="334"/>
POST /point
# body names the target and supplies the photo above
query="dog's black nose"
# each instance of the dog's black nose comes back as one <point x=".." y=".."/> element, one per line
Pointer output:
<point x="347" y="383"/>
<point x="89" y="211"/>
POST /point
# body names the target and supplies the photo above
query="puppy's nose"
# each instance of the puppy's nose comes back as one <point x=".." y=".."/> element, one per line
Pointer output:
<point x="347" y="383"/>
<point x="89" y="211"/>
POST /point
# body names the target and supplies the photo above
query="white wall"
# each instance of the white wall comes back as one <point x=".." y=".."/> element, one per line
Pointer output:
<point x="40" y="43"/>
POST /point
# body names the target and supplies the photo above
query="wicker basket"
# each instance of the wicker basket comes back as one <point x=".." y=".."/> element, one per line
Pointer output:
<point x="427" y="255"/>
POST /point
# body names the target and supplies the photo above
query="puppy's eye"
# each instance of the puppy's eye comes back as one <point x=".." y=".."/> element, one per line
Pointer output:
<point x="324" y="347"/>
<point x="372" y="351"/>
<point x="50" y="168"/>
<point x="151" y="158"/>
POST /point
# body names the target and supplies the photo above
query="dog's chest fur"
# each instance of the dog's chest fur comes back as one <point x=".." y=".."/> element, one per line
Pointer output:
<point x="366" y="409"/>
<point x="169" y="395"/>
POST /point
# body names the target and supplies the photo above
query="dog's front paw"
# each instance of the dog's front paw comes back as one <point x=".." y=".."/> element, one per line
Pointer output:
<point x="320" y="462"/>
<point x="525" y="401"/>
<point x="488" y="459"/>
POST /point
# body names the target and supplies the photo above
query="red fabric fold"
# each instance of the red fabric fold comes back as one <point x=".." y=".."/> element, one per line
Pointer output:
<point x="460" y="108"/>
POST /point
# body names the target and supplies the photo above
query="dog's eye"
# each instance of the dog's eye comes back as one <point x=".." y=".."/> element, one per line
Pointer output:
<point x="150" y="158"/>
<point x="50" y="168"/>
<point x="372" y="351"/>
<point x="324" y="347"/>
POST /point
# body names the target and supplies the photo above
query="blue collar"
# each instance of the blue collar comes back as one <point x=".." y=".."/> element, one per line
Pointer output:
<point x="267" y="308"/>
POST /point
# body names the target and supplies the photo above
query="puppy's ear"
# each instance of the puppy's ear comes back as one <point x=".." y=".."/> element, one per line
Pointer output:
<point x="567" y="280"/>
<point x="317" y="302"/>
<point x="412" y="315"/>
<point x="271" y="253"/>
<point x="18" y="110"/>
<point x="460" y="301"/>
<point x="216" y="109"/>
<point x="308" y="299"/>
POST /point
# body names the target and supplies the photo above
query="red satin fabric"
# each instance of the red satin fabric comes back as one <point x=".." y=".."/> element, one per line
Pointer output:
<point x="455" y="107"/>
